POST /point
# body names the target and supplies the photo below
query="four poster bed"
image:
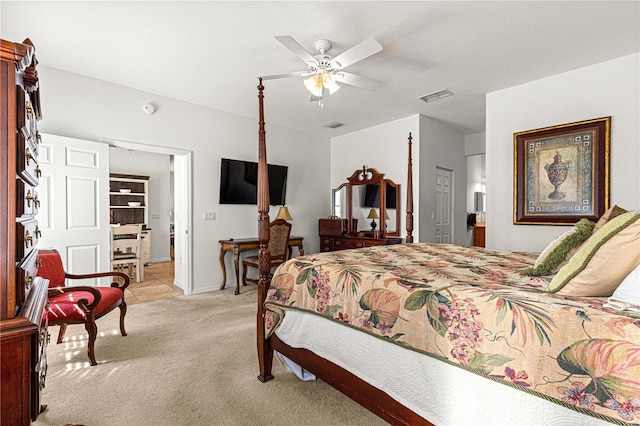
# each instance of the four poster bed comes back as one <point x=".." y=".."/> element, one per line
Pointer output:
<point x="443" y="334"/>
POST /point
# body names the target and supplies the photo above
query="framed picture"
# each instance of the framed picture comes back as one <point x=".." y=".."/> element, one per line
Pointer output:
<point x="561" y="173"/>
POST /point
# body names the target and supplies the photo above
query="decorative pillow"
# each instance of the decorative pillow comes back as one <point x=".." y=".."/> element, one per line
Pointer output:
<point x="604" y="260"/>
<point x="611" y="212"/>
<point x="627" y="295"/>
<point x="560" y="250"/>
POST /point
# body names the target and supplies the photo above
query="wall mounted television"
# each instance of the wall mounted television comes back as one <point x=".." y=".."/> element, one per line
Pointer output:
<point x="239" y="182"/>
<point x="372" y="196"/>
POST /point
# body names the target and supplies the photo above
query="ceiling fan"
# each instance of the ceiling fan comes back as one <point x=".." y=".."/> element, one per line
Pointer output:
<point x="324" y="72"/>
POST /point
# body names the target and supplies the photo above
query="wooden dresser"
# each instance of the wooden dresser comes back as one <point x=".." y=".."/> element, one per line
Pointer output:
<point x="479" y="234"/>
<point x="343" y="242"/>
<point x="23" y="296"/>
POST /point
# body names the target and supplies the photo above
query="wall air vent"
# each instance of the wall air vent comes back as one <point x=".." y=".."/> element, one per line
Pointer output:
<point x="333" y="124"/>
<point x="434" y="96"/>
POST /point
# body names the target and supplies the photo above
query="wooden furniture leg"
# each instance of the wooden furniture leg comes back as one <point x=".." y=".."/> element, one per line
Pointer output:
<point x="92" y="329"/>
<point x="236" y="267"/>
<point x="61" y="331"/>
<point x="223" y="251"/>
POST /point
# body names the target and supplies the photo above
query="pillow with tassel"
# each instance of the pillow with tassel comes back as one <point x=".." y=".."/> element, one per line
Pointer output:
<point x="560" y="250"/>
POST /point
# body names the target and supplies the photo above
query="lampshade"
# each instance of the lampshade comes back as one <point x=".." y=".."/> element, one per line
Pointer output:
<point x="317" y="82"/>
<point x="329" y="81"/>
<point x="373" y="214"/>
<point x="314" y="85"/>
<point x="283" y="213"/>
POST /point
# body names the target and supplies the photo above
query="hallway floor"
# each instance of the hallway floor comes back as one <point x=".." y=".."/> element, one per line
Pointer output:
<point x="157" y="284"/>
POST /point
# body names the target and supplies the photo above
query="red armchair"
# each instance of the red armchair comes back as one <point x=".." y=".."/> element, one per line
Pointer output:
<point x="80" y="304"/>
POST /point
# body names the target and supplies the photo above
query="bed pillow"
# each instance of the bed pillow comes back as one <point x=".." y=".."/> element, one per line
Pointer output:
<point x="603" y="261"/>
<point x="627" y="295"/>
<point x="560" y="250"/>
<point x="611" y="212"/>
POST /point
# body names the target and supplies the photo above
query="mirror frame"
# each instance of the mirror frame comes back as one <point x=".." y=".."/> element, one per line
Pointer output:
<point x="389" y="182"/>
<point x="333" y="198"/>
<point x="369" y="176"/>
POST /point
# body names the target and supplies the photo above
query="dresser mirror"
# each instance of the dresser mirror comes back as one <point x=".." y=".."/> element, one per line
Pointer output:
<point x="360" y="201"/>
<point x="339" y="201"/>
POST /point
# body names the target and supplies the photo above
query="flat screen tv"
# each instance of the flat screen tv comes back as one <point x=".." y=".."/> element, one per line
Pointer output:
<point x="372" y="197"/>
<point x="239" y="182"/>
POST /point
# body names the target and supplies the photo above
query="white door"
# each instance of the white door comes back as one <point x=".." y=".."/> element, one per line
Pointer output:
<point x="444" y="196"/>
<point x="74" y="203"/>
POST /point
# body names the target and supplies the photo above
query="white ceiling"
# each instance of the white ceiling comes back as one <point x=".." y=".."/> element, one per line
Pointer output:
<point x="210" y="53"/>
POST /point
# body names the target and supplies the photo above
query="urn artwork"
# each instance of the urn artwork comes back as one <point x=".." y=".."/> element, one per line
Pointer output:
<point x="562" y="173"/>
<point x="557" y="173"/>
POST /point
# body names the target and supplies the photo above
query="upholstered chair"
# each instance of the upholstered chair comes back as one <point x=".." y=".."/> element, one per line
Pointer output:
<point x="80" y="304"/>
<point x="279" y="231"/>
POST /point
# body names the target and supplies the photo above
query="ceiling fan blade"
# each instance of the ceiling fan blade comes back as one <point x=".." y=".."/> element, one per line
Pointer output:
<point x="357" y="53"/>
<point x="357" y="80"/>
<point x="285" y="75"/>
<point x="291" y="44"/>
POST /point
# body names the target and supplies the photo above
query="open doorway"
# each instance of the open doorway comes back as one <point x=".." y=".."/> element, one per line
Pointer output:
<point x="171" y="216"/>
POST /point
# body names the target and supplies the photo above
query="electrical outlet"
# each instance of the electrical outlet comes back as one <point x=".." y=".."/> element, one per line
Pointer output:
<point x="155" y="215"/>
<point x="209" y="216"/>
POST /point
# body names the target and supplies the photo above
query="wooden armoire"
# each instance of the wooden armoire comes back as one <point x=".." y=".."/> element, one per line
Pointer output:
<point x="23" y="295"/>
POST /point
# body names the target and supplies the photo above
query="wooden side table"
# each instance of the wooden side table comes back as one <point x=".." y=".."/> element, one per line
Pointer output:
<point x="238" y="245"/>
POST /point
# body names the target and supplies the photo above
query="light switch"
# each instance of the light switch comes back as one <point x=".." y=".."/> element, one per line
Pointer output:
<point x="209" y="216"/>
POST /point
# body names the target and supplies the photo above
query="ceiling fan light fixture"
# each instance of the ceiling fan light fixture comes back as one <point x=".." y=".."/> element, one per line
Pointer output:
<point x="314" y="85"/>
<point x="329" y="81"/>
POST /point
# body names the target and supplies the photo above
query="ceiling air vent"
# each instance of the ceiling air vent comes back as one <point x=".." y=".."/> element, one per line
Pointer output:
<point x="333" y="124"/>
<point x="434" y="96"/>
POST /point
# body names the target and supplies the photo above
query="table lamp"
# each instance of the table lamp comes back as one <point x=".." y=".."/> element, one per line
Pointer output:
<point x="373" y="215"/>
<point x="283" y="213"/>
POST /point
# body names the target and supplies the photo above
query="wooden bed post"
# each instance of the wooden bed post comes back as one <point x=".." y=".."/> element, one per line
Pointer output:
<point x="409" y="238"/>
<point x="265" y="353"/>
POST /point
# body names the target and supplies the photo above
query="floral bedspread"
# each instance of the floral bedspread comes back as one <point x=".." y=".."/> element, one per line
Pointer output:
<point x="471" y="307"/>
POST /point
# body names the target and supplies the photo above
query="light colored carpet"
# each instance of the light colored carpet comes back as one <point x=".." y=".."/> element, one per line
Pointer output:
<point x="188" y="360"/>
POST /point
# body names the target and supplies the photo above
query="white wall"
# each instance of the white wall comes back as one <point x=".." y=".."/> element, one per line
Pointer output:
<point x="157" y="167"/>
<point x="475" y="143"/>
<point x="610" y="88"/>
<point x="444" y="147"/>
<point x="385" y="149"/>
<point x="86" y="108"/>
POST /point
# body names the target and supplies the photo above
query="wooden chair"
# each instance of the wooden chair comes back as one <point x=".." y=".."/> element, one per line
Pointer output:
<point x="279" y="231"/>
<point x="126" y="249"/>
<point x="80" y="304"/>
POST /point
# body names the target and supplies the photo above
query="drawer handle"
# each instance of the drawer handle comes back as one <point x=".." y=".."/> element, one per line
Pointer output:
<point x="28" y="279"/>
<point x="38" y="232"/>
<point x="28" y="239"/>
<point x="38" y="262"/>
<point x="38" y="171"/>
<point x="27" y="155"/>
<point x="38" y="137"/>
<point x="36" y="202"/>
<point x="29" y="109"/>
<point x="29" y="198"/>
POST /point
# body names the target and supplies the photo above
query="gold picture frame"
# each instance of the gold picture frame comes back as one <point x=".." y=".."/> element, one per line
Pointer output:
<point x="561" y="173"/>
